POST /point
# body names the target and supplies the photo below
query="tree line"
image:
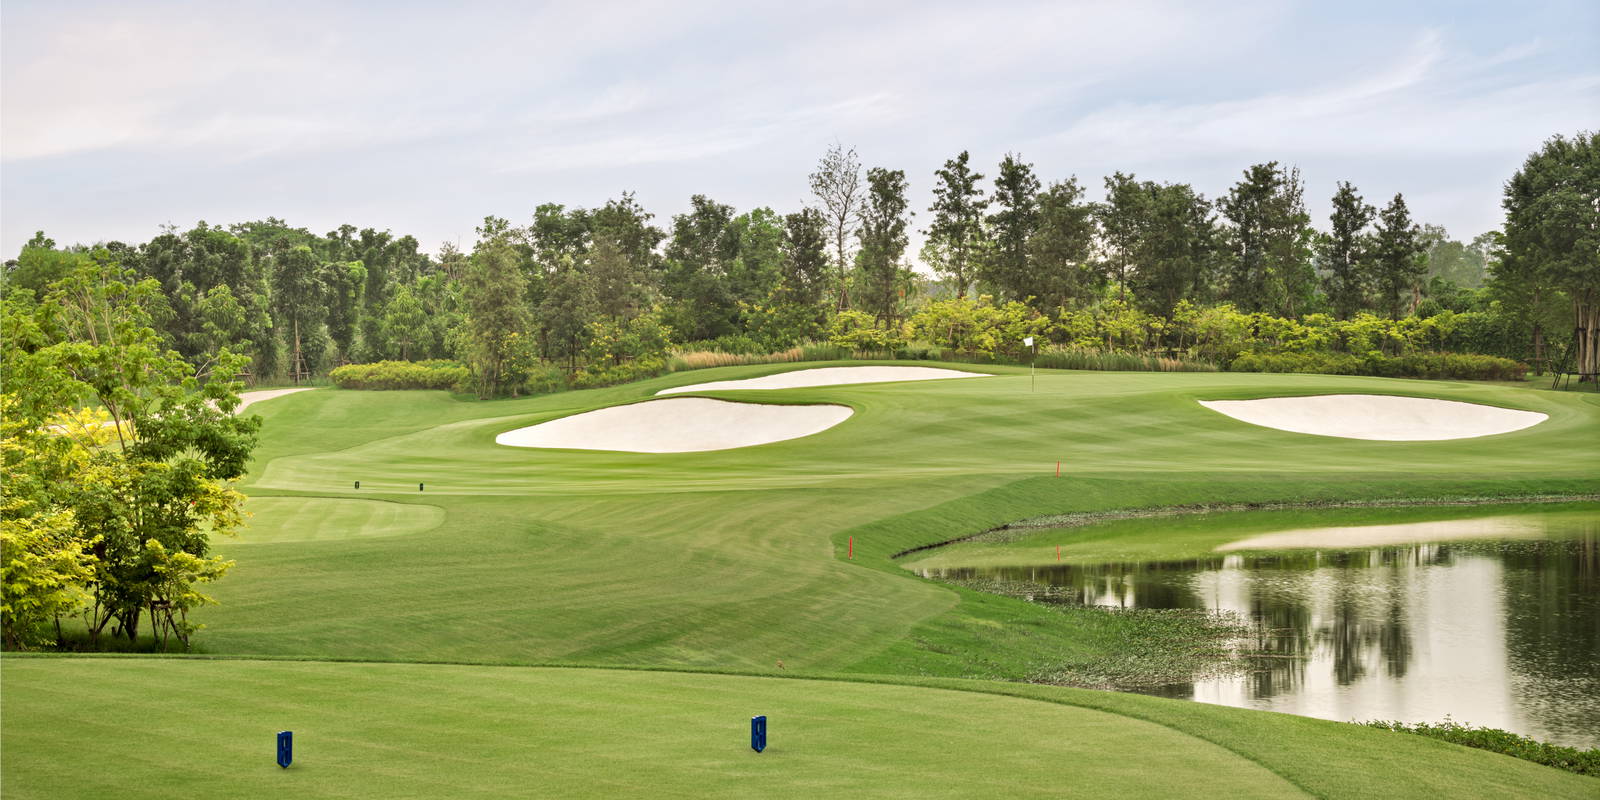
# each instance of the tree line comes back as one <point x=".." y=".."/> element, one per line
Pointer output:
<point x="575" y="289"/>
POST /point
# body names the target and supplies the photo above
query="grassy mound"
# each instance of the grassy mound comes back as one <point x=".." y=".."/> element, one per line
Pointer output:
<point x="320" y="519"/>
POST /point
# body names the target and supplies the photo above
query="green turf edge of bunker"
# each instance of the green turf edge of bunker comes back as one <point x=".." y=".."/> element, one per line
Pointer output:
<point x="411" y="730"/>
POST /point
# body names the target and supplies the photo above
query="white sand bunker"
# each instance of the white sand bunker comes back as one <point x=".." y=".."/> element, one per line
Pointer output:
<point x="678" y="425"/>
<point x="247" y="399"/>
<point x="1353" y="537"/>
<point x="1380" y="417"/>
<point x="830" y="376"/>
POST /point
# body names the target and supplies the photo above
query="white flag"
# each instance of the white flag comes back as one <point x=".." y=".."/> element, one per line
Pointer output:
<point x="1028" y="342"/>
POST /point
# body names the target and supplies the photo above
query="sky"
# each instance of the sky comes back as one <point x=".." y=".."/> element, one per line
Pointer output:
<point x="119" y="118"/>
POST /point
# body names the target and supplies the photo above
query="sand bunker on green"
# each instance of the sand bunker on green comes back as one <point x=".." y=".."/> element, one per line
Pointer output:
<point x="247" y="399"/>
<point x="1378" y="417"/>
<point x="321" y="519"/>
<point x="829" y="376"/>
<point x="678" y="425"/>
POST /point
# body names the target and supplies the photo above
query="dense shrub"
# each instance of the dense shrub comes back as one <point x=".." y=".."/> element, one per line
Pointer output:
<point x="1315" y="363"/>
<point x="1453" y="366"/>
<point x="1460" y="366"/>
<point x="596" y="375"/>
<point x="1079" y="358"/>
<point x="1571" y="759"/>
<point x="437" y="374"/>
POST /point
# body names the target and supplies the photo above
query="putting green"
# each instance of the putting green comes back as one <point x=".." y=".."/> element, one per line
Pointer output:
<point x="276" y="520"/>
<point x="395" y="730"/>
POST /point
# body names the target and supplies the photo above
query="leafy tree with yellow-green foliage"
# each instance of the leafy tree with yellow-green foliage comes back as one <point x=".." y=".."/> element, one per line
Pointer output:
<point x="113" y="519"/>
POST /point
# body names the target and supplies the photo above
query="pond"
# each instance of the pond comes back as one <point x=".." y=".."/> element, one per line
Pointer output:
<point x="1491" y="620"/>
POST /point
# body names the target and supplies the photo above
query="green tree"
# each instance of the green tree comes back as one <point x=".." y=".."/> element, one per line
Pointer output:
<point x="1269" y="265"/>
<point x="702" y="249"/>
<point x="146" y="501"/>
<point x="567" y="311"/>
<point x="404" y="324"/>
<point x="805" y="257"/>
<point x="1552" y="232"/>
<point x="227" y="324"/>
<point x="883" y="243"/>
<point x="1122" y="220"/>
<point x="496" y="314"/>
<point x="299" y="305"/>
<point x="1176" y="248"/>
<point x="956" y="236"/>
<point x="621" y="287"/>
<point x="1398" y="262"/>
<point x="757" y="266"/>
<point x="1343" y="252"/>
<point x="1012" y="226"/>
<point x="836" y="183"/>
<point x="39" y="265"/>
<point x="1061" y="248"/>
<point x="345" y="284"/>
<point x="626" y="225"/>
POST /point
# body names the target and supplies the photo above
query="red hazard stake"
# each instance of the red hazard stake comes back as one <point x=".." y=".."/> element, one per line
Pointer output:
<point x="1058" y="552"/>
<point x="852" y="547"/>
<point x="1058" y="469"/>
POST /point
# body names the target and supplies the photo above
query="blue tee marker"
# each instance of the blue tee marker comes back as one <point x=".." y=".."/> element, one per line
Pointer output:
<point x="285" y="748"/>
<point x="758" y="733"/>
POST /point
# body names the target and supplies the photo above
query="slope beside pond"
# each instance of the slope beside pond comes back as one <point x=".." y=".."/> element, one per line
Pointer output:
<point x="1491" y="620"/>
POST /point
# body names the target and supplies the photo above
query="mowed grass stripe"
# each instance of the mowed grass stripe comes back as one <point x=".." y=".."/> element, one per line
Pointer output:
<point x="735" y="559"/>
<point x="275" y="520"/>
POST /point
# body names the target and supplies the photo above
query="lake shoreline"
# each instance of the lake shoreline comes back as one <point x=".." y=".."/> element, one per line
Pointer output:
<point x="1014" y="531"/>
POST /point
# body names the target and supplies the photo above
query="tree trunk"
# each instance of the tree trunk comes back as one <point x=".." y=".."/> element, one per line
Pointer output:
<point x="1538" y="349"/>
<point x="1586" y="336"/>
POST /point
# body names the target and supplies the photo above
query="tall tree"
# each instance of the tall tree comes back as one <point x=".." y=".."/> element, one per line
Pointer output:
<point x="621" y="287"/>
<point x="568" y="307"/>
<point x="627" y="225"/>
<point x="1061" y="249"/>
<point x="805" y="257"/>
<point x="837" y="186"/>
<point x="704" y="245"/>
<point x="956" y="234"/>
<point x="1553" y="228"/>
<point x="883" y="243"/>
<point x="757" y="265"/>
<point x="345" y="282"/>
<point x="1122" y="220"/>
<point x="1176" y="247"/>
<point x="497" y="314"/>
<point x="1269" y="268"/>
<point x="1397" y="259"/>
<point x="299" y="306"/>
<point x="1343" y="252"/>
<point x="1012" y="224"/>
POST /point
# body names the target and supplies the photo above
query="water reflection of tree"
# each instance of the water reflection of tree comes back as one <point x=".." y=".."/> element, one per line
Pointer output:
<point x="1553" y="630"/>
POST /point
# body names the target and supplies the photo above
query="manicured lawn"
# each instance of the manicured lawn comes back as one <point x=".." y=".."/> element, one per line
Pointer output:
<point x="160" y="728"/>
<point x="734" y="560"/>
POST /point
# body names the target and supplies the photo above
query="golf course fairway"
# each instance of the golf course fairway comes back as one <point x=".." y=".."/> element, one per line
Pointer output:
<point x="765" y="575"/>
